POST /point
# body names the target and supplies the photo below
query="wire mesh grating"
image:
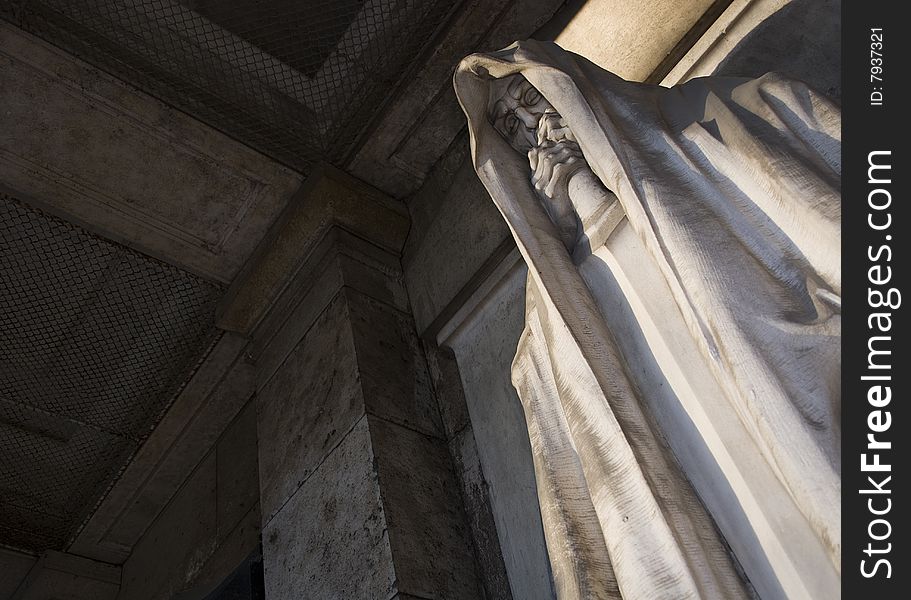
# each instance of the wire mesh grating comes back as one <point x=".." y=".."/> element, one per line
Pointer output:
<point x="298" y="80"/>
<point x="95" y="341"/>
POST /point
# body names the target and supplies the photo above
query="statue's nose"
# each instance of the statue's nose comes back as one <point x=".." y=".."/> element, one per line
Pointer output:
<point x="526" y="117"/>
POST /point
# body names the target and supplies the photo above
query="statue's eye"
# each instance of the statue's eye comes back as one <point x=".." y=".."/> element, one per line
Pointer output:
<point x="531" y="96"/>
<point x="511" y="123"/>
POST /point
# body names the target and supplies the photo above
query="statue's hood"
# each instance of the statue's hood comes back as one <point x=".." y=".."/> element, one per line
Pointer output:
<point x="572" y="85"/>
<point x="641" y="141"/>
<point x="586" y="96"/>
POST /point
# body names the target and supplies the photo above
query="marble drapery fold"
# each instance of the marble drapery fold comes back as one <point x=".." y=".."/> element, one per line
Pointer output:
<point x="732" y="186"/>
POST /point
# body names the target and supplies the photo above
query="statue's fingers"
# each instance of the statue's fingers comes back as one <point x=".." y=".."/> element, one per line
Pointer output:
<point x="566" y="153"/>
<point x="546" y="153"/>
<point x="549" y="126"/>
<point x="540" y="178"/>
<point x="557" y="178"/>
<point x="561" y="132"/>
<point x="540" y="170"/>
<point x="553" y="159"/>
<point x="573" y="152"/>
<point x="545" y="122"/>
<point x="549" y="161"/>
<point x="565" y="131"/>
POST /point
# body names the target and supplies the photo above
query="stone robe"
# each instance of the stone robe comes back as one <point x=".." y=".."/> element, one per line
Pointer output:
<point x="732" y="187"/>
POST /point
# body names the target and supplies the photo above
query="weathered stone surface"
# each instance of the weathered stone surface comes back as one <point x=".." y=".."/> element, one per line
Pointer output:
<point x="330" y="539"/>
<point x="282" y="330"/>
<point x="391" y="366"/>
<point x="308" y="406"/>
<point x="360" y="361"/>
<point x="466" y="464"/>
<point x="430" y="543"/>
<point x="483" y="527"/>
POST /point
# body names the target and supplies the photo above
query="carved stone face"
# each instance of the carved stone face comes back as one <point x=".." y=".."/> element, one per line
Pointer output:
<point x="514" y="110"/>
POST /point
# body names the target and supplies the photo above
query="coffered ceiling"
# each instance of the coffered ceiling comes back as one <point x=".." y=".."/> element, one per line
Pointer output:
<point x="298" y="80"/>
<point x="95" y="340"/>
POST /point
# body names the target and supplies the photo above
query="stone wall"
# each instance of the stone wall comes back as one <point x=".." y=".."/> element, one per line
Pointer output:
<point x="357" y="489"/>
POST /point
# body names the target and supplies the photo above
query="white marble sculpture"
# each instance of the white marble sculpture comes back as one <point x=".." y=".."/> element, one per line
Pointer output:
<point x="731" y="188"/>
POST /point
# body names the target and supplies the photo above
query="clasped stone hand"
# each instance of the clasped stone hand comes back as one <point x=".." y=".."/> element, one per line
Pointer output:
<point x="553" y="161"/>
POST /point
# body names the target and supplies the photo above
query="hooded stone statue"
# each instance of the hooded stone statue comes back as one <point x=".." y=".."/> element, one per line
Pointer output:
<point x="730" y="188"/>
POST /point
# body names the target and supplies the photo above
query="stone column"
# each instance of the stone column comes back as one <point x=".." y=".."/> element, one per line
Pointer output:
<point x="357" y="492"/>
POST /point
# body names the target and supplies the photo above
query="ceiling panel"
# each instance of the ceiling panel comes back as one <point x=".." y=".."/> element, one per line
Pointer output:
<point x="95" y="341"/>
<point x="299" y="80"/>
